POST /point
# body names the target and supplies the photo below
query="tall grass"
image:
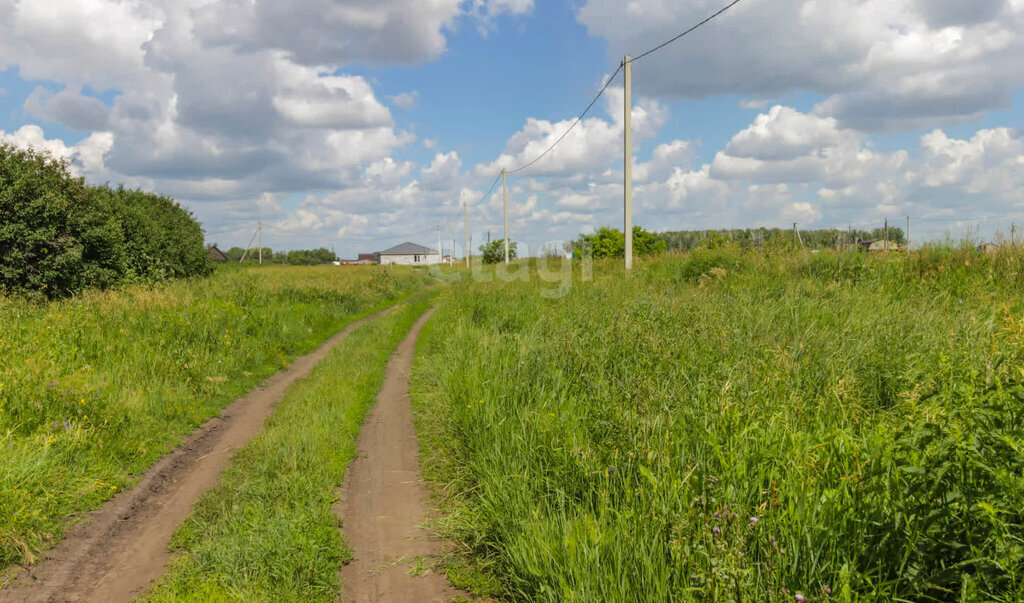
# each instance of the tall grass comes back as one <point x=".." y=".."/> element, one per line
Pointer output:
<point x="267" y="533"/>
<point x="729" y="426"/>
<point x="94" y="389"/>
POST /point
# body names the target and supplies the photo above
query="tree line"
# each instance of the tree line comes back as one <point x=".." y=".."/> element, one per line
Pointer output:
<point x="296" y="257"/>
<point x="753" y="238"/>
<point x="59" y="236"/>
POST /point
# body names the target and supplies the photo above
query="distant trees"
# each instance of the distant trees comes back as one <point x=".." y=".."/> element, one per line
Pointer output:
<point x="751" y="238"/>
<point x="59" y="236"/>
<point x="494" y="252"/>
<point x="298" y="257"/>
<point x="611" y="243"/>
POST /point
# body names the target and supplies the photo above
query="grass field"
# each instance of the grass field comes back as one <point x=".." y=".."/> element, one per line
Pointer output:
<point x="94" y="389"/>
<point x="729" y="426"/>
<point x="267" y="532"/>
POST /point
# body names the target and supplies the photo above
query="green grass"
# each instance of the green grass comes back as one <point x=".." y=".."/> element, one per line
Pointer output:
<point x="267" y="533"/>
<point x="94" y="389"/>
<point x="618" y="443"/>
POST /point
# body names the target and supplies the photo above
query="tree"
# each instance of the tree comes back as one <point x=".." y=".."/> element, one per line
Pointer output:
<point x="494" y="252"/>
<point x="59" y="236"/>
<point x="611" y="243"/>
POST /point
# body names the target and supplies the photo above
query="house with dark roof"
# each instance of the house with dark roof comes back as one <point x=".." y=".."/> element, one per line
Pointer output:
<point x="216" y="254"/>
<point x="409" y="254"/>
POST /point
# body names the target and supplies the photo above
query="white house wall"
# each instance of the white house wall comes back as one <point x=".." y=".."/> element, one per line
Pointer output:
<point x="410" y="259"/>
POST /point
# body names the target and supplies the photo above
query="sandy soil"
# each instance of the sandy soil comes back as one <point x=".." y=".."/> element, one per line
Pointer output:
<point x="384" y="501"/>
<point x="121" y="549"/>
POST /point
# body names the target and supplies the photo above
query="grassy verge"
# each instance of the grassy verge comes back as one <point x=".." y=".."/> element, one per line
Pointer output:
<point x="267" y="533"/>
<point x="728" y="426"/>
<point x="94" y="389"/>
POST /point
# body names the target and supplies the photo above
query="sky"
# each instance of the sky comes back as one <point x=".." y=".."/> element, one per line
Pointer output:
<point x="359" y="124"/>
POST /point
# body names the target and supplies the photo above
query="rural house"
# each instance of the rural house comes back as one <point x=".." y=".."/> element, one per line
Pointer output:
<point x="216" y="254"/>
<point x="409" y="254"/>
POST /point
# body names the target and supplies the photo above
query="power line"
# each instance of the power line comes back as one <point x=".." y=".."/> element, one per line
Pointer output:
<point x="666" y="43"/>
<point x="491" y="190"/>
<point x="578" y="120"/>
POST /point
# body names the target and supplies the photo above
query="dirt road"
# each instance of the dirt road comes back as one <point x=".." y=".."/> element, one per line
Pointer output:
<point x="122" y="548"/>
<point x="384" y="501"/>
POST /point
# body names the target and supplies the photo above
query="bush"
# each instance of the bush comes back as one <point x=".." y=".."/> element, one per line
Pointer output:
<point x="59" y="236"/>
<point x="611" y="243"/>
<point x="494" y="252"/>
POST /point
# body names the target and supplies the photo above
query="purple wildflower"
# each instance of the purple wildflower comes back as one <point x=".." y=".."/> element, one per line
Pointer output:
<point x="717" y="530"/>
<point x="753" y="521"/>
<point x="800" y="597"/>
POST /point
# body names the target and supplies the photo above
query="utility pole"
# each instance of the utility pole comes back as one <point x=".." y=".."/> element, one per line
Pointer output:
<point x="440" y="256"/>
<point x="259" y="229"/>
<point x="627" y="165"/>
<point x="504" y="188"/>
<point x="1013" y="234"/>
<point x="887" y="235"/>
<point x="451" y="243"/>
<point x="908" y="233"/>
<point x="465" y="208"/>
<point x="795" y="234"/>
<point x="248" y="245"/>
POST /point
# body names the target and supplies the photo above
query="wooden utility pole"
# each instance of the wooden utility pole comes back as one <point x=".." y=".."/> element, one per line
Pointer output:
<point x="259" y="229"/>
<point x="1013" y="234"/>
<point x="248" y="245"/>
<point x="465" y="209"/>
<point x="795" y="235"/>
<point x="908" y="233"/>
<point x="504" y="188"/>
<point x="627" y="166"/>
<point x="887" y="235"/>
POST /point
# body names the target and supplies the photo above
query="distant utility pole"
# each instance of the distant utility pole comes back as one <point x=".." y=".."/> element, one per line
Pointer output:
<point x="1013" y="233"/>
<point x="451" y="243"/>
<point x="627" y="188"/>
<point x="248" y="246"/>
<point x="908" y="233"/>
<point x="465" y="209"/>
<point x="887" y="235"/>
<point x="440" y="256"/>
<point x="504" y="188"/>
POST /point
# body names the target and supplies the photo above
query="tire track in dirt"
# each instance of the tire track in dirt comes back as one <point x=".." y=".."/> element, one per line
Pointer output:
<point x="121" y="548"/>
<point x="384" y="500"/>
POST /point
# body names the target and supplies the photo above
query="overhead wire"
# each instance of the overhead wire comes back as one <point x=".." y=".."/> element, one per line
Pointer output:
<point x="695" y="27"/>
<point x="574" y="124"/>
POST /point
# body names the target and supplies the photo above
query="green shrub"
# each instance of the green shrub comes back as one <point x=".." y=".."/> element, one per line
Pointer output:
<point x="59" y="236"/>
<point x="494" y="252"/>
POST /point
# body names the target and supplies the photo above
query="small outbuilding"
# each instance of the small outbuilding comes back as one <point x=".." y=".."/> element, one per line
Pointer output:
<point x="368" y="258"/>
<point x="878" y="245"/>
<point x="217" y="255"/>
<point x="409" y="254"/>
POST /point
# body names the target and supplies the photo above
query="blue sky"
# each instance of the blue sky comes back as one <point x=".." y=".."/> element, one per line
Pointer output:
<point x="357" y="124"/>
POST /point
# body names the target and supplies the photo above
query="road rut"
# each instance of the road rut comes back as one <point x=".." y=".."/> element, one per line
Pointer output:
<point x="122" y="548"/>
<point x="384" y="501"/>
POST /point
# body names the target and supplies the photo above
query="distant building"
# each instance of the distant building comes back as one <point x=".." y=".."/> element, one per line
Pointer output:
<point x="368" y="258"/>
<point x="217" y="255"/>
<point x="409" y="254"/>
<point x="880" y="245"/>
